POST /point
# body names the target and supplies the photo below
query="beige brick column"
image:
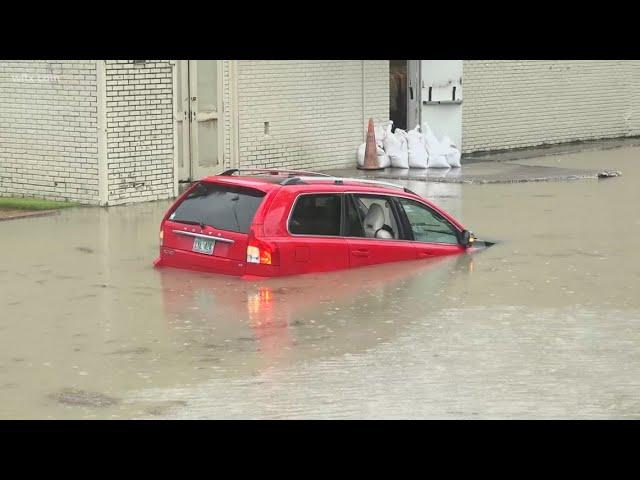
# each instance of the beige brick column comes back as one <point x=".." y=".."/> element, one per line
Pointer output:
<point x="103" y="176"/>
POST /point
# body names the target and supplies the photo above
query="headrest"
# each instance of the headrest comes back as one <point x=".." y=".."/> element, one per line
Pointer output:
<point x="375" y="217"/>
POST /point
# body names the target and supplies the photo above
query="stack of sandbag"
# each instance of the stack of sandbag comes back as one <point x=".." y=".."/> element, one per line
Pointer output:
<point x="417" y="148"/>
<point x="442" y="154"/>
<point x="418" y="155"/>
<point x="395" y="145"/>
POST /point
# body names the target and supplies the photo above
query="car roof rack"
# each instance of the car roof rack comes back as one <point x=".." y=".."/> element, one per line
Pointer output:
<point x="297" y="177"/>
<point x="273" y="171"/>
<point x="341" y="180"/>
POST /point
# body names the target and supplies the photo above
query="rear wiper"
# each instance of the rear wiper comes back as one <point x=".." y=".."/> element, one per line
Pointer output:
<point x="191" y="222"/>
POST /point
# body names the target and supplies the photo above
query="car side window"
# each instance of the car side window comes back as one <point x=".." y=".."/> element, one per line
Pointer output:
<point x="371" y="216"/>
<point x="428" y="225"/>
<point x="316" y="214"/>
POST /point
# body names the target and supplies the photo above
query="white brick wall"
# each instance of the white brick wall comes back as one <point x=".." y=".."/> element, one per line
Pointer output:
<point x="316" y="110"/>
<point x="48" y="140"/>
<point x="139" y="118"/>
<point x="510" y="104"/>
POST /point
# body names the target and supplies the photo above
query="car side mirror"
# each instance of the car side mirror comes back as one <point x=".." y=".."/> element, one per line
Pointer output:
<point x="467" y="238"/>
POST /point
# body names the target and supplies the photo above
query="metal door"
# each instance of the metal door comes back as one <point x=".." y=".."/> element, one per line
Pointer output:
<point x="198" y="117"/>
<point x="414" y="92"/>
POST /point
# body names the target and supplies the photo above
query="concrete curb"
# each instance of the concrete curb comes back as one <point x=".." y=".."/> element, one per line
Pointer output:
<point x="550" y="150"/>
<point x="15" y="215"/>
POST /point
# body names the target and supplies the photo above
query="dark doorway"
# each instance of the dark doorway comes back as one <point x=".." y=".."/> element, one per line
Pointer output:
<point x="398" y="93"/>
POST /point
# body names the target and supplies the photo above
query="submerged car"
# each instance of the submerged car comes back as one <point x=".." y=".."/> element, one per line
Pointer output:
<point x="267" y="223"/>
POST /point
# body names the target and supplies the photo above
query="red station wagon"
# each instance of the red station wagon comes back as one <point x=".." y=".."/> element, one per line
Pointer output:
<point x="280" y="222"/>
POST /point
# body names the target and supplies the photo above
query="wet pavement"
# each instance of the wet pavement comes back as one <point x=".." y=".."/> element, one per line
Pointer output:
<point x="543" y="325"/>
<point x="510" y="166"/>
<point x="480" y="173"/>
<point x="494" y="172"/>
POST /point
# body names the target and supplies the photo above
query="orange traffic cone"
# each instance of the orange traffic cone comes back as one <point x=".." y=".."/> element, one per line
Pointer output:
<point x="371" y="150"/>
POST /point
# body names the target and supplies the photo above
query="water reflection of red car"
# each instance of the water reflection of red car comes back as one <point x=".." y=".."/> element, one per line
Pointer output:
<point x="284" y="223"/>
<point x="221" y="308"/>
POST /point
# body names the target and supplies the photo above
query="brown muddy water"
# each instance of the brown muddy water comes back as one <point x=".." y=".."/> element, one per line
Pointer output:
<point x="546" y="324"/>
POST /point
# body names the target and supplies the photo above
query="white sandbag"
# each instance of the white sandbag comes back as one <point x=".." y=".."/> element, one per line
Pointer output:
<point x="395" y="146"/>
<point x="453" y="158"/>
<point x="401" y="159"/>
<point x="380" y="134"/>
<point x="401" y="134"/>
<point x="388" y="134"/>
<point x="417" y="153"/>
<point x="437" y="154"/>
<point x="383" y="158"/>
<point x="430" y="140"/>
<point x="360" y="154"/>
<point x="438" y="160"/>
<point x="452" y="153"/>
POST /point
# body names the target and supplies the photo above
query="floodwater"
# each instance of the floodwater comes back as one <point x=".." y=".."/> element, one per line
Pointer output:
<point x="545" y="324"/>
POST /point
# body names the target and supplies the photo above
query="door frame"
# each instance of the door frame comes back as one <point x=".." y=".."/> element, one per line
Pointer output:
<point x="181" y="121"/>
<point x="184" y="111"/>
<point x="174" y="89"/>
<point x="414" y="80"/>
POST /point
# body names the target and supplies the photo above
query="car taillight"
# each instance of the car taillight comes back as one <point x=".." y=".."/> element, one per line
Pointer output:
<point x="161" y="236"/>
<point x="261" y="252"/>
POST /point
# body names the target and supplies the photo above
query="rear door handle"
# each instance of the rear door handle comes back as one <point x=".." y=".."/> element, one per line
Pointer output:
<point x="424" y="255"/>
<point x="360" y="253"/>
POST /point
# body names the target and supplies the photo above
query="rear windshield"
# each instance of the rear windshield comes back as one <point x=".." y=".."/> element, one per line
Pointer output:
<point x="221" y="206"/>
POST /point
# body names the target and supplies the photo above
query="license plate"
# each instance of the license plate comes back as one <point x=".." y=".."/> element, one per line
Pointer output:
<point x="203" y="245"/>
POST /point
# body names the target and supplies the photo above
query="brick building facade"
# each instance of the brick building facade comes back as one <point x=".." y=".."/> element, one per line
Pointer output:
<point x="48" y="122"/>
<point x="92" y="132"/>
<point x="118" y="131"/>
<point x="138" y="112"/>
<point x="514" y="104"/>
<point x="315" y="110"/>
